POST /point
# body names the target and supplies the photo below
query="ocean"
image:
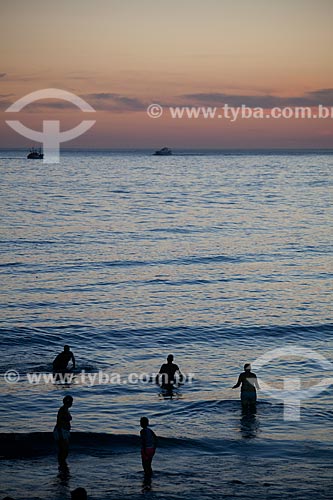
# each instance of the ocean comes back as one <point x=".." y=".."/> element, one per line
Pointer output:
<point x="219" y="258"/>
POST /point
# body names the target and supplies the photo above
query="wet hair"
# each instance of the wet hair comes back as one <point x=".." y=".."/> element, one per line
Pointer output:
<point x="67" y="399"/>
<point x="79" y="494"/>
<point x="170" y="357"/>
<point x="144" y="422"/>
<point x="66" y="347"/>
<point x="247" y="366"/>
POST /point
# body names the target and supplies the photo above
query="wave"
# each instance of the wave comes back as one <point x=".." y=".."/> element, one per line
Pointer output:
<point x="91" y="265"/>
<point x="21" y="445"/>
<point x="85" y="334"/>
<point x="37" y="444"/>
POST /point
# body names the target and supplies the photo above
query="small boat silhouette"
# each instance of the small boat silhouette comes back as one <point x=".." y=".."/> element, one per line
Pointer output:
<point x="163" y="152"/>
<point x="35" y="154"/>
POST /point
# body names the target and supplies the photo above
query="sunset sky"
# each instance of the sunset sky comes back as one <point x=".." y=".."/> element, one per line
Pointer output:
<point x="122" y="55"/>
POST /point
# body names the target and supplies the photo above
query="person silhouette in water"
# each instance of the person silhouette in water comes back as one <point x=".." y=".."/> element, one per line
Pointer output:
<point x="249" y="383"/>
<point x="167" y="374"/>
<point x="60" y="363"/>
<point x="62" y="429"/>
<point x="79" y="494"/>
<point x="148" y="446"/>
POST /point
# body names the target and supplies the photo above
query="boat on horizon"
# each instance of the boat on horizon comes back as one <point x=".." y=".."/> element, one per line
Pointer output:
<point x="35" y="154"/>
<point x="163" y="152"/>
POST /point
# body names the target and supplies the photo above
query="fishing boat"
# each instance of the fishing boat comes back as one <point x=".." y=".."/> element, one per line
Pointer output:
<point x="163" y="152"/>
<point x="35" y="154"/>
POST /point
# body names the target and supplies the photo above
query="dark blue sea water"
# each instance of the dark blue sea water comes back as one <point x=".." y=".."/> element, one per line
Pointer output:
<point x="217" y="258"/>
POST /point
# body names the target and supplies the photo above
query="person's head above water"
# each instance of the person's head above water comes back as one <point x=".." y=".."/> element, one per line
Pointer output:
<point x="68" y="401"/>
<point x="170" y="358"/>
<point x="79" y="494"/>
<point x="247" y="367"/>
<point x="66" y="348"/>
<point x="144" y="422"/>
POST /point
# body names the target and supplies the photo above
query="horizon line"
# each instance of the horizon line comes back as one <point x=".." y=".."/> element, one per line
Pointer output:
<point x="179" y="149"/>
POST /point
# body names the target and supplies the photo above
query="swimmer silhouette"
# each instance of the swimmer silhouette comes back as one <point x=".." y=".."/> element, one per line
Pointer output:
<point x="249" y="383"/>
<point x="167" y="373"/>
<point x="79" y="494"/>
<point x="148" y="447"/>
<point x="62" y="429"/>
<point x="60" y="363"/>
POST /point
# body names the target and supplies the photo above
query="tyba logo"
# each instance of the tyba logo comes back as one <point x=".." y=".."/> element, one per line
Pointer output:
<point x="292" y="394"/>
<point x="50" y="137"/>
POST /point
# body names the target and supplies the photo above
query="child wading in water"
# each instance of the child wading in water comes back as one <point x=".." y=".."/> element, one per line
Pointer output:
<point x="148" y="446"/>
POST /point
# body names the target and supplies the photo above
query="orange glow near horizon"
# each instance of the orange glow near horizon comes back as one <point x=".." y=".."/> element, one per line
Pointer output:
<point x="149" y="51"/>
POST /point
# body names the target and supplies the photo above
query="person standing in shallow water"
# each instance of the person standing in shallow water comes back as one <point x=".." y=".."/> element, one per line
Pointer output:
<point x="60" y="363"/>
<point x="148" y="446"/>
<point x="168" y="372"/>
<point x="249" y="385"/>
<point x="62" y="430"/>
